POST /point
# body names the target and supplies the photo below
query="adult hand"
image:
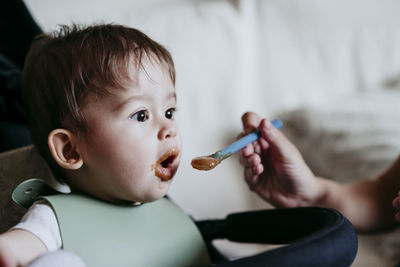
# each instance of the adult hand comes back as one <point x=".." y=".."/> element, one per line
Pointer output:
<point x="275" y="169"/>
<point x="396" y="205"/>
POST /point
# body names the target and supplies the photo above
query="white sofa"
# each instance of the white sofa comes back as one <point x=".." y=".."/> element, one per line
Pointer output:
<point x="329" y="69"/>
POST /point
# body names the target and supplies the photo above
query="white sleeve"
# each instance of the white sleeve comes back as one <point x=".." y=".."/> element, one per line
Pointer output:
<point x="41" y="221"/>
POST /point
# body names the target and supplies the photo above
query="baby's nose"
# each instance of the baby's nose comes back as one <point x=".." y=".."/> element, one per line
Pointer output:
<point x="167" y="131"/>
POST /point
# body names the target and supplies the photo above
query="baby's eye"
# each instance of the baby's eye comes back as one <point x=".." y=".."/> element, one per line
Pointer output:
<point x="169" y="114"/>
<point x="141" y="115"/>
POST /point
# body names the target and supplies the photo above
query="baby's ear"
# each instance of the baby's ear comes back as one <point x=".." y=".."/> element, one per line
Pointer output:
<point x="63" y="148"/>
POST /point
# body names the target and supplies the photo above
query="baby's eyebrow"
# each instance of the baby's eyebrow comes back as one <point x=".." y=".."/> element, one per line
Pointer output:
<point x="132" y="98"/>
<point x="126" y="101"/>
<point x="172" y="95"/>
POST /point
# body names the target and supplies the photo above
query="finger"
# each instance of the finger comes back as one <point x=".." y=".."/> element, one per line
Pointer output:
<point x="397" y="216"/>
<point x="257" y="148"/>
<point x="251" y="179"/>
<point x="250" y="121"/>
<point x="250" y="161"/>
<point x="244" y="161"/>
<point x="248" y="150"/>
<point x="258" y="170"/>
<point x="263" y="144"/>
<point x="274" y="137"/>
<point x="255" y="167"/>
<point x="254" y="160"/>
<point x="396" y="203"/>
<point x="248" y="177"/>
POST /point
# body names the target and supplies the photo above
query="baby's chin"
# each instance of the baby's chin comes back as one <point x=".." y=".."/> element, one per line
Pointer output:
<point x="153" y="196"/>
<point x="136" y="200"/>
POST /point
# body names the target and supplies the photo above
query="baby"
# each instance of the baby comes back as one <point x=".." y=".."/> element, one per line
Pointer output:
<point x="101" y="103"/>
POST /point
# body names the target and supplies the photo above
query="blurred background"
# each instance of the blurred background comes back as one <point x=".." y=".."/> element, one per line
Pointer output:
<point x="329" y="69"/>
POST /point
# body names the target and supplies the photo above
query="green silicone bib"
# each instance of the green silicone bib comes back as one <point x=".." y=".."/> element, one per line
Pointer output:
<point x="105" y="234"/>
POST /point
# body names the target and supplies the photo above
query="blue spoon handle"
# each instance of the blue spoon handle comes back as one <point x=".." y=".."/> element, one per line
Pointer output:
<point x="245" y="140"/>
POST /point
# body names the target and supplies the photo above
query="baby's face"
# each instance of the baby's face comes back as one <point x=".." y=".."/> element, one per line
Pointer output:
<point x="132" y="149"/>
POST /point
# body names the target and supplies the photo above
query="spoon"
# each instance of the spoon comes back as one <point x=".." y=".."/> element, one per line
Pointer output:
<point x="206" y="163"/>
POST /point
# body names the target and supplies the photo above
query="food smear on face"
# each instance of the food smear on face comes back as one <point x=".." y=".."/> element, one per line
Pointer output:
<point x="164" y="167"/>
<point x="205" y="163"/>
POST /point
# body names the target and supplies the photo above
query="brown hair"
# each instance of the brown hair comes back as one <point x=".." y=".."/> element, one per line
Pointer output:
<point x="62" y="68"/>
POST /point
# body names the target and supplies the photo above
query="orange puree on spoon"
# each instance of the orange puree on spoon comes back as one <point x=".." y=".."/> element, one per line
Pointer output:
<point x="204" y="163"/>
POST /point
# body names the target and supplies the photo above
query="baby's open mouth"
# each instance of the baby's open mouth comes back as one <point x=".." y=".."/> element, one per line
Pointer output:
<point x="166" y="163"/>
<point x="164" y="167"/>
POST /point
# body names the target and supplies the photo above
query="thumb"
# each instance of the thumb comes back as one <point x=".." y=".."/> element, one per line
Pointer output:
<point x="250" y="121"/>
